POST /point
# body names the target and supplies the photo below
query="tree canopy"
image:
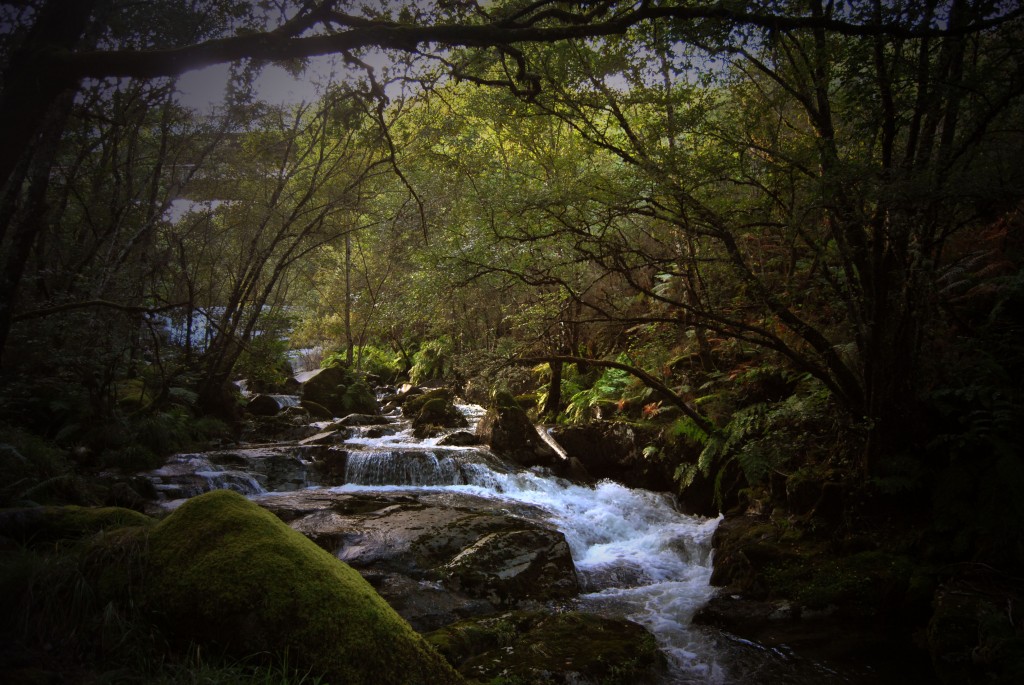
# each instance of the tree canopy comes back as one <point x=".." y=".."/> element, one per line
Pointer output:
<point x="652" y="204"/>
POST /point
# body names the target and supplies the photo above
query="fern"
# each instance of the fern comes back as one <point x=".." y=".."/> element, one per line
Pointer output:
<point x="685" y="427"/>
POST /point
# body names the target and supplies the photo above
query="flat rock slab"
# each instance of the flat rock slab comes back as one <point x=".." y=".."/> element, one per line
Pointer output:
<point x="436" y="556"/>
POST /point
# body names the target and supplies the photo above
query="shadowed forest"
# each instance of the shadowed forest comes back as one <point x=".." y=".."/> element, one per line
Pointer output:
<point x="764" y="256"/>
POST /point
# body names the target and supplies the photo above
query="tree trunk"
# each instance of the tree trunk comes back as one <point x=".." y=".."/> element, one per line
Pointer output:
<point x="349" y="343"/>
<point x="32" y="119"/>
<point x="554" y="402"/>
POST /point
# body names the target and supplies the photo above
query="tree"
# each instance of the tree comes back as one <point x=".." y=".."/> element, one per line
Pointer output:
<point x="70" y="41"/>
<point x="765" y="204"/>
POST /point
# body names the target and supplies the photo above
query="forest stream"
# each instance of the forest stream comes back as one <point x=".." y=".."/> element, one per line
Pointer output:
<point x="635" y="554"/>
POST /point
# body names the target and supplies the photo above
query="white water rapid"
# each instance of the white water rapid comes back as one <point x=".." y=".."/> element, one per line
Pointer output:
<point x="636" y="555"/>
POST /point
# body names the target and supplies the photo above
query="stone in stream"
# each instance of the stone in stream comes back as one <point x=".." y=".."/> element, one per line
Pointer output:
<point x="327" y="437"/>
<point x="248" y="470"/>
<point x="435" y="556"/>
<point x="459" y="439"/>
<point x="536" y="647"/>
<point x="432" y="412"/>
<point x="264" y="405"/>
<point x="339" y="390"/>
<point x="362" y="420"/>
<point x="510" y="433"/>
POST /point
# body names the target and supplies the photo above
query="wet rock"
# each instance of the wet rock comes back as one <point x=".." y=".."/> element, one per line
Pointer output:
<point x="264" y="405"/>
<point x="246" y="470"/>
<point x="484" y="559"/>
<point x="508" y="567"/>
<point x="338" y="390"/>
<point x="374" y="432"/>
<point x="739" y="541"/>
<point x="225" y="574"/>
<point x="509" y="432"/>
<point x="316" y="410"/>
<point x="459" y="439"/>
<point x="432" y="412"/>
<point x="614" y="450"/>
<point x="363" y="420"/>
<point x="330" y="465"/>
<point x="328" y="437"/>
<point x="286" y="426"/>
<point x="565" y="648"/>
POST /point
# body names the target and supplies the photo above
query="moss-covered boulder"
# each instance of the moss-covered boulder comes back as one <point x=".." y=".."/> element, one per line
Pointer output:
<point x="38" y="525"/>
<point x="221" y="570"/>
<point x="435" y="416"/>
<point x="431" y="411"/>
<point x="533" y="647"/>
<point x="339" y="390"/>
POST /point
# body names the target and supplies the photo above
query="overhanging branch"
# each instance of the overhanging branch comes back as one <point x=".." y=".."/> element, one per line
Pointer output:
<point x="88" y="304"/>
<point x="358" y="32"/>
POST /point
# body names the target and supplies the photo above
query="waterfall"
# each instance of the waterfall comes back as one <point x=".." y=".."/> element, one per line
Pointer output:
<point x="397" y="467"/>
<point x="188" y="475"/>
<point x="635" y="553"/>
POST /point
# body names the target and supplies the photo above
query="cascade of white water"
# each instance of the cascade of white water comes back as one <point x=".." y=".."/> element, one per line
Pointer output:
<point x="635" y="553"/>
<point x="187" y="475"/>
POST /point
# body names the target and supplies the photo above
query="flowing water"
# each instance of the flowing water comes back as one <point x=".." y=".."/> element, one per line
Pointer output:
<point x="636" y="555"/>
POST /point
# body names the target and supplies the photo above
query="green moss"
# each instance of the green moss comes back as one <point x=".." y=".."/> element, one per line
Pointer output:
<point x="866" y="581"/>
<point x="534" y="647"/>
<point x="221" y="570"/>
<point x="414" y="404"/>
<point x="38" y="525"/>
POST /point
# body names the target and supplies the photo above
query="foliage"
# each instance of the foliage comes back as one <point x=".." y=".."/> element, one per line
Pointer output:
<point x="28" y="464"/>
<point x="378" y="362"/>
<point x="866" y="580"/>
<point x="264" y="361"/>
<point x="430" y="360"/>
<point x="764" y="438"/>
<point x="608" y="392"/>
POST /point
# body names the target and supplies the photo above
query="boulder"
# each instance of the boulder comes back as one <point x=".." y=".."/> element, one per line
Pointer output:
<point x="615" y="450"/>
<point x="221" y="571"/>
<point x="439" y="556"/>
<point x="363" y="420"/>
<point x="534" y="647"/>
<point x="432" y="412"/>
<point x="509" y="432"/>
<point x="290" y="424"/>
<point x="338" y="390"/>
<point x="264" y="405"/>
<point x="459" y="439"/>
<point x="330" y="465"/>
<point x="316" y="410"/>
<point x="247" y="470"/>
<point x="436" y="415"/>
<point x="413" y="400"/>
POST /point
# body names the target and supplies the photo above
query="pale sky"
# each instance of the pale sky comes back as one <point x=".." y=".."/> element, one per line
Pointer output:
<point x="203" y="89"/>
